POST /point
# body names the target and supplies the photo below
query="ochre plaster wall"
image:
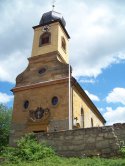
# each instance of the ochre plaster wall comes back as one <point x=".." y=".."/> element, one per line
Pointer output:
<point x="55" y="45"/>
<point x="64" y="53"/>
<point x="41" y="97"/>
<point x="78" y="103"/>
<point x="54" y="70"/>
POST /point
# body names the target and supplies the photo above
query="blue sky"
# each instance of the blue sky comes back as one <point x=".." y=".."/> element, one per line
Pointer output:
<point x="96" y="48"/>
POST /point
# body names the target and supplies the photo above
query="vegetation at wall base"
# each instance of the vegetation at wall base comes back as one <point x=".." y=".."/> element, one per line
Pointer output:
<point x="122" y="151"/>
<point x="28" y="149"/>
<point x="5" y="120"/>
<point x="31" y="153"/>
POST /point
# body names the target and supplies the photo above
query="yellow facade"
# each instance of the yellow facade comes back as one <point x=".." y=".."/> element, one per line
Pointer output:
<point x="57" y="33"/>
<point x="41" y="94"/>
<point x="88" y="113"/>
<point x="41" y="97"/>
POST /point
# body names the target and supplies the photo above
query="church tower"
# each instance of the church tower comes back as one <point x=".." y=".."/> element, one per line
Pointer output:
<point x="51" y="36"/>
<point x="44" y="98"/>
<point x="41" y="94"/>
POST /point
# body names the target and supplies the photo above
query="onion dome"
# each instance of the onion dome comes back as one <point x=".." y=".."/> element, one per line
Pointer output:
<point x="50" y="17"/>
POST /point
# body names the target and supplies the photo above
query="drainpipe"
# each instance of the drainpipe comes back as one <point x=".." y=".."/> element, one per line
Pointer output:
<point x="70" y="100"/>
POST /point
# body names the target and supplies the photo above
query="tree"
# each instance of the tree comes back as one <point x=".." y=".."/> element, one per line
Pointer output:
<point x="5" y="120"/>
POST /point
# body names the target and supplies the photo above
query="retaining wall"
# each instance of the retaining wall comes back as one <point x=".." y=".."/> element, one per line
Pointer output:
<point x="119" y="130"/>
<point x="100" y="141"/>
<point x="97" y="141"/>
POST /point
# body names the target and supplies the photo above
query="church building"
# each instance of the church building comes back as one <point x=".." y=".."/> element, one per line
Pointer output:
<point x="47" y="97"/>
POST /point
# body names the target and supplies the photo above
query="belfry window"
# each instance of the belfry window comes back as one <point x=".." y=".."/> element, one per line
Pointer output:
<point x="45" y="38"/>
<point x="63" y="43"/>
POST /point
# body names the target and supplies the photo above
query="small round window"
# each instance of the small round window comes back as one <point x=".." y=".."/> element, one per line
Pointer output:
<point x="54" y="100"/>
<point x="26" y="104"/>
<point x="42" y="70"/>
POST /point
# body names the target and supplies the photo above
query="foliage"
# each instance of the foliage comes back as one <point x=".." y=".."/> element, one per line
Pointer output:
<point x="28" y="149"/>
<point x="123" y="151"/>
<point x="5" y="120"/>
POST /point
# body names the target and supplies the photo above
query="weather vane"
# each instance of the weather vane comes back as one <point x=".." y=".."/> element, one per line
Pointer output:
<point x="53" y="4"/>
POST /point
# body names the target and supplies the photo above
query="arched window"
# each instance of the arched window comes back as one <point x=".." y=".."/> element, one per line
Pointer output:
<point x="82" y="118"/>
<point x="45" y="38"/>
<point x="63" y="43"/>
<point x="91" y="122"/>
<point x="82" y="112"/>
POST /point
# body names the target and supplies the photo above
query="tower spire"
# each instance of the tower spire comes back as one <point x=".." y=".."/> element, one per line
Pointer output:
<point x="53" y="4"/>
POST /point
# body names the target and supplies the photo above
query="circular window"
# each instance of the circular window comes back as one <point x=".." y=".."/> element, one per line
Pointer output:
<point x="54" y="100"/>
<point x="26" y="104"/>
<point x="42" y="70"/>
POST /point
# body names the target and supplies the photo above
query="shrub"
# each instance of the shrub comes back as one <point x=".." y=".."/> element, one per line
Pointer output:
<point x="123" y="151"/>
<point x="5" y="120"/>
<point x="28" y="149"/>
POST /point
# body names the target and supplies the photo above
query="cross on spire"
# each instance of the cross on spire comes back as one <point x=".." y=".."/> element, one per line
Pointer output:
<point x="53" y="4"/>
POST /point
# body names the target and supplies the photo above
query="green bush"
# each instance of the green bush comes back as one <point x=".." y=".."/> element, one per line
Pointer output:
<point x="5" y="120"/>
<point x="123" y="151"/>
<point x="28" y="149"/>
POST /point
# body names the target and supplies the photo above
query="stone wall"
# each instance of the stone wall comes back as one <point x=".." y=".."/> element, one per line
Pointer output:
<point x="100" y="141"/>
<point x="119" y="130"/>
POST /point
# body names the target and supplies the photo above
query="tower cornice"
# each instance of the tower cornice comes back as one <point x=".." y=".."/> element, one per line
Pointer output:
<point x="51" y="22"/>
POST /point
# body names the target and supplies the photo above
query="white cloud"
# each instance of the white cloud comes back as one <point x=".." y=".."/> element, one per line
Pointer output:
<point x="11" y="66"/>
<point x="97" y="37"/>
<point x="16" y="33"/>
<point x="102" y="110"/>
<point x="91" y="81"/>
<point x="92" y="96"/>
<point x="115" y="116"/>
<point x="4" y="98"/>
<point x="96" y="29"/>
<point x="117" y="95"/>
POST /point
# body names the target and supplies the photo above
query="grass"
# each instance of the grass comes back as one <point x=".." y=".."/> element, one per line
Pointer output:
<point x="60" y="161"/>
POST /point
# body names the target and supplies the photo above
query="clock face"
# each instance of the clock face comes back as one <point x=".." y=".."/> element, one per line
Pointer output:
<point x="39" y="113"/>
<point x="46" y="28"/>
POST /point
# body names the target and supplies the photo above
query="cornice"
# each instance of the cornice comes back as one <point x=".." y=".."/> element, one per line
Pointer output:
<point x="40" y="84"/>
